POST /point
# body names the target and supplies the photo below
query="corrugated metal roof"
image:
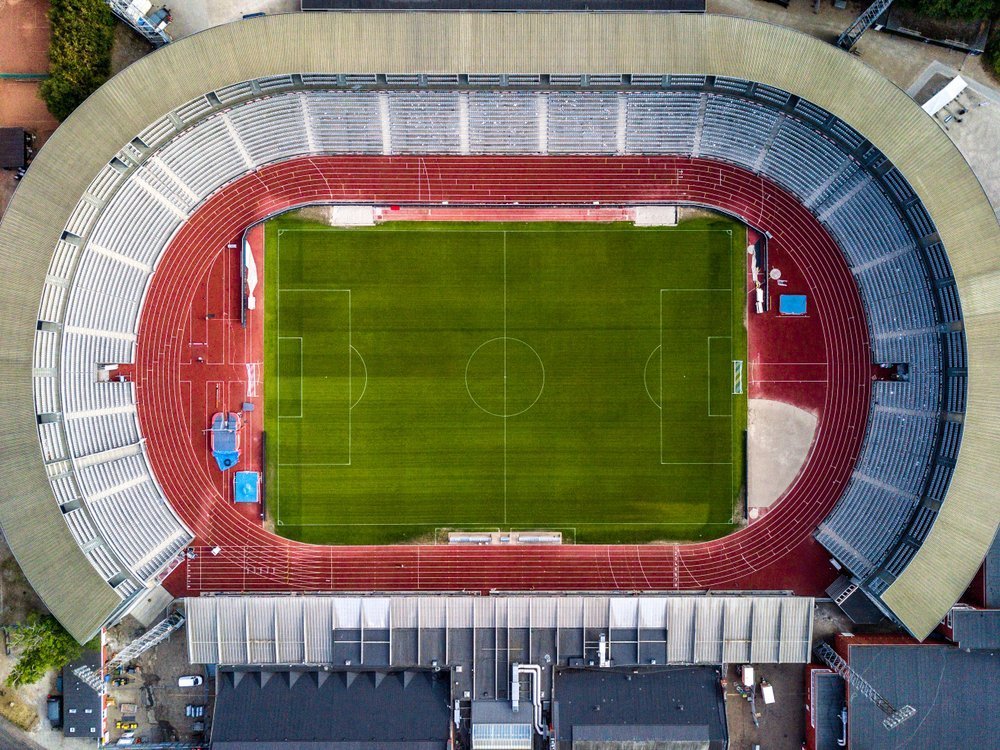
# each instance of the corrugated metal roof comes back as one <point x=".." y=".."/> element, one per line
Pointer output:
<point x="497" y="43"/>
<point x="680" y="636"/>
<point x="736" y="644"/>
<point x="708" y="631"/>
<point x="495" y="726"/>
<point x="315" y="629"/>
<point x="290" y="644"/>
<point x="766" y="623"/>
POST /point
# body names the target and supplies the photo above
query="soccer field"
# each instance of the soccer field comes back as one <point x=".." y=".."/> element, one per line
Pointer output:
<point x="586" y="379"/>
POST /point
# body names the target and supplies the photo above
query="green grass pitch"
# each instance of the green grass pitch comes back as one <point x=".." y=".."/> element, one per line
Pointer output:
<point x="580" y="378"/>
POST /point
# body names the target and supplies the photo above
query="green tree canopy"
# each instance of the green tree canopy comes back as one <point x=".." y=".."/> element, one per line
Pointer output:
<point x="43" y="645"/>
<point x="965" y="10"/>
<point x="79" y="53"/>
<point x="992" y="54"/>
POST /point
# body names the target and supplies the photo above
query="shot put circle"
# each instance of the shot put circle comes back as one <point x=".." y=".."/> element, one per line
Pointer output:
<point x="504" y="376"/>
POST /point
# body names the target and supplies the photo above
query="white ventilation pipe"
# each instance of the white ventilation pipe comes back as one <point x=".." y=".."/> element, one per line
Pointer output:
<point x="536" y="691"/>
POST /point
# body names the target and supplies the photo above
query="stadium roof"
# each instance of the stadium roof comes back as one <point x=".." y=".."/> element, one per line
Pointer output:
<point x="496" y="43"/>
<point x="402" y="631"/>
<point x="510" y="6"/>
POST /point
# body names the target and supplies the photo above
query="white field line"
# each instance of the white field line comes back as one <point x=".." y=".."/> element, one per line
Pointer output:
<point x="710" y="339"/>
<point x="278" y="463"/>
<point x="479" y="525"/>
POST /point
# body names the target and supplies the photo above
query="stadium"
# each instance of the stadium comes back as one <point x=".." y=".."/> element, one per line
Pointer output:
<point x="503" y="162"/>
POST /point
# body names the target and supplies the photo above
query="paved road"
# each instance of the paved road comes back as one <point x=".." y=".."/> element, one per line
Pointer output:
<point x="12" y="738"/>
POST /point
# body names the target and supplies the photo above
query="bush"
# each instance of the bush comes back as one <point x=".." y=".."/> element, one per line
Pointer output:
<point x="79" y="53"/>
<point x="43" y="644"/>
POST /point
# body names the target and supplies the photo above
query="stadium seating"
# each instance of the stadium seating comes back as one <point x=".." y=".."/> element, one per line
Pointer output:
<point x="209" y="155"/>
<point x="344" y="122"/>
<point x="424" y="122"/>
<point x="91" y="303"/>
<point x="801" y="160"/>
<point x="737" y="131"/>
<point x="503" y="122"/>
<point x="582" y="123"/>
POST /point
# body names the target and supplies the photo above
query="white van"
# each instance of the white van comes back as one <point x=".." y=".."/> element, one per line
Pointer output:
<point x="190" y="680"/>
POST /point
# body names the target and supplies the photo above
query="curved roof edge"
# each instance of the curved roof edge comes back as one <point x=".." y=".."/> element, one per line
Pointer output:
<point x="39" y="538"/>
<point x="503" y="43"/>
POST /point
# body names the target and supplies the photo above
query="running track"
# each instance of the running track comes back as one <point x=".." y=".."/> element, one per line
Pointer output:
<point x="776" y="552"/>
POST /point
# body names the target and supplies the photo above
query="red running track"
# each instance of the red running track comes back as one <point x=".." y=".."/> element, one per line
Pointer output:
<point x="777" y="552"/>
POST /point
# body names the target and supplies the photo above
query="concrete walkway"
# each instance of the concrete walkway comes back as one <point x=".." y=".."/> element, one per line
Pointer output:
<point x="192" y="16"/>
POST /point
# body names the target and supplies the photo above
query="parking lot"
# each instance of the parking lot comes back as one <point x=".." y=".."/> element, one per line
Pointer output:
<point x="159" y="701"/>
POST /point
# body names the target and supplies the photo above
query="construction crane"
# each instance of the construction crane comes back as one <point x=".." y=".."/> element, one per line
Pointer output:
<point x="893" y="716"/>
<point x="862" y="23"/>
<point x="155" y="635"/>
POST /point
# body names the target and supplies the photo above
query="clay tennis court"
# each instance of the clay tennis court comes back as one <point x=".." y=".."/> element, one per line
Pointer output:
<point x="24" y="41"/>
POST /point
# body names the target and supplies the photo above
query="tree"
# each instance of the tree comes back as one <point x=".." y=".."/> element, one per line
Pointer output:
<point x="43" y="644"/>
<point x="79" y="53"/>
<point x="992" y="53"/>
<point x="962" y="10"/>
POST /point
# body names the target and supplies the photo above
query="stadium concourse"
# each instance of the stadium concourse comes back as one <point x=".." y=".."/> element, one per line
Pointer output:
<point x="253" y="559"/>
<point x="123" y="214"/>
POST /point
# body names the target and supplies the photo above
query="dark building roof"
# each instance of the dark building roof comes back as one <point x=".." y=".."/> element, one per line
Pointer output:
<point x="992" y="574"/>
<point x="976" y="629"/>
<point x="81" y="703"/>
<point x="663" y="707"/>
<point x="856" y="605"/>
<point x="952" y="691"/>
<point x="12" y="148"/>
<point x="259" y="710"/>
<point x="828" y="699"/>
<point x="630" y="6"/>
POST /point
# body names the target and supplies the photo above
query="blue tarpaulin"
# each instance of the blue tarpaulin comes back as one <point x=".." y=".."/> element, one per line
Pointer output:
<point x="246" y="486"/>
<point x="226" y="440"/>
<point x="792" y="304"/>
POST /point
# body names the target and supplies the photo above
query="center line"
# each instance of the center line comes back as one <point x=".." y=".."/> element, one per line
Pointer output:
<point x="505" y="377"/>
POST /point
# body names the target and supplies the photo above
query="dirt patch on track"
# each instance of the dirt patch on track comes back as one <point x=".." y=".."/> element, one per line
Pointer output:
<point x="778" y="441"/>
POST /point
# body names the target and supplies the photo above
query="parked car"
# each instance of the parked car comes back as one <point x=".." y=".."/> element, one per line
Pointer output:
<point x="190" y="680"/>
<point x="53" y="710"/>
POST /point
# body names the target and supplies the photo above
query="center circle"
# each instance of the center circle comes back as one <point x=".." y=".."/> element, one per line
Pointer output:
<point x="504" y="376"/>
